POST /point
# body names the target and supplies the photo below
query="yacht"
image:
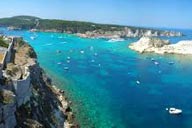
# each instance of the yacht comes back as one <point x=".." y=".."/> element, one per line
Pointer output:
<point x="116" y="40"/>
<point x="174" y="111"/>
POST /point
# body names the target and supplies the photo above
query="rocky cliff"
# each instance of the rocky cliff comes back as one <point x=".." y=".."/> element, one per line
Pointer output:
<point x="149" y="44"/>
<point x="127" y="32"/>
<point x="27" y="97"/>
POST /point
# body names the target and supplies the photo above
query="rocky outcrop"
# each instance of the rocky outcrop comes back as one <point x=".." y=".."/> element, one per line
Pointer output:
<point x="149" y="44"/>
<point x="127" y="33"/>
<point x="27" y="97"/>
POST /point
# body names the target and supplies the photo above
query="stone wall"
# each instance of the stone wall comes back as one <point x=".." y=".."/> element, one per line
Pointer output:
<point x="9" y="51"/>
<point x="7" y="57"/>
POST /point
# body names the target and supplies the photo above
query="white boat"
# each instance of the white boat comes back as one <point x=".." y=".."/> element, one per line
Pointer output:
<point x="174" y="111"/>
<point x="152" y="59"/>
<point x="138" y="82"/>
<point x="82" y="52"/>
<point x="91" y="48"/>
<point x="156" y="63"/>
<point x="60" y="37"/>
<point x="66" y="68"/>
<point x="116" y="40"/>
<point x="95" y="54"/>
<point x="33" y="38"/>
<point x="92" y="61"/>
<point x="63" y="42"/>
<point x="171" y="63"/>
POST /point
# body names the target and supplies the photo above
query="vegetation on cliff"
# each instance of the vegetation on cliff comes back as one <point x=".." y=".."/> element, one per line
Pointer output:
<point x="3" y="43"/>
<point x="24" y="22"/>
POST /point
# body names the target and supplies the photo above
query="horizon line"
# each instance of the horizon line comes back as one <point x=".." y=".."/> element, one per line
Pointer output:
<point x="104" y="23"/>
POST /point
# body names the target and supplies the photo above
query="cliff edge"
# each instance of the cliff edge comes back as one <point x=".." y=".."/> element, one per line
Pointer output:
<point x="27" y="97"/>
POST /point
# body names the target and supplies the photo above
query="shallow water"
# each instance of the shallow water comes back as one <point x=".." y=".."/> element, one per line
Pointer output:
<point x="100" y="77"/>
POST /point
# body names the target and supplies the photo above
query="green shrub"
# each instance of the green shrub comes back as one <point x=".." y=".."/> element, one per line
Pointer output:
<point x="3" y="43"/>
<point x="6" y="97"/>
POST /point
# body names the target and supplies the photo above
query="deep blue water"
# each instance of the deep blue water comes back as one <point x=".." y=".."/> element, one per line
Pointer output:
<point x="101" y="82"/>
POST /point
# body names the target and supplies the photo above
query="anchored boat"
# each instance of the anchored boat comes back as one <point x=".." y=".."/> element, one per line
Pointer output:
<point x="174" y="111"/>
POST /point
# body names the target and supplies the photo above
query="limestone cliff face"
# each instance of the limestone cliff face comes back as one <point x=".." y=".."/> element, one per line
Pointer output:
<point x="27" y="97"/>
<point x="128" y="33"/>
<point x="149" y="44"/>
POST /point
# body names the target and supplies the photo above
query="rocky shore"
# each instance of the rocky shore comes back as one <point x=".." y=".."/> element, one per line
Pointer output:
<point x="127" y="33"/>
<point x="155" y="45"/>
<point x="28" y="99"/>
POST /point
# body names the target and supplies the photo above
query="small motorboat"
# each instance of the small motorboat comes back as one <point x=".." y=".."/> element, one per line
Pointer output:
<point x="92" y="61"/>
<point x="171" y="63"/>
<point x="174" y="111"/>
<point x="66" y="68"/>
<point x="60" y="37"/>
<point x="156" y="63"/>
<point x="82" y="52"/>
<point x="152" y="59"/>
<point x="68" y="57"/>
<point x="116" y="40"/>
<point x="138" y="82"/>
<point x="33" y="38"/>
<point x="91" y="48"/>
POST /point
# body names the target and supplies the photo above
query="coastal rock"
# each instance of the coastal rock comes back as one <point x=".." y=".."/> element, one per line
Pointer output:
<point x="127" y="32"/>
<point x="149" y="44"/>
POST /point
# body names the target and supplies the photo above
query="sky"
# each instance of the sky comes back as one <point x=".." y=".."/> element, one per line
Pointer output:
<point x="145" y="13"/>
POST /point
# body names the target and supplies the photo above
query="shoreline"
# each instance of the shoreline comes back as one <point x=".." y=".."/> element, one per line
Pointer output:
<point x="112" y="34"/>
<point x="66" y="108"/>
<point x="64" y="104"/>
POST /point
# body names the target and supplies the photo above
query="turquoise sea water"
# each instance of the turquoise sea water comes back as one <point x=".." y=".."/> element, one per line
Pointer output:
<point x="100" y="78"/>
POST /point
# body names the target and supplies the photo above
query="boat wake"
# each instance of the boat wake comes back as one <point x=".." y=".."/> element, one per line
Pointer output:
<point x="48" y="44"/>
<point x="63" y="42"/>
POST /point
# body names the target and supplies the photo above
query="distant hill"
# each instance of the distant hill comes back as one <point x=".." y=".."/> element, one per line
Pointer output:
<point x="23" y="22"/>
<point x="31" y="22"/>
<point x="87" y="28"/>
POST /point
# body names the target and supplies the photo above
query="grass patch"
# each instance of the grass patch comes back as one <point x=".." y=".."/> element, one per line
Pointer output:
<point x="6" y="97"/>
<point x="3" y="43"/>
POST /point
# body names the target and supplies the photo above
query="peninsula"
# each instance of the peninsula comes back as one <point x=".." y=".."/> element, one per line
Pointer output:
<point x="82" y="29"/>
<point x="27" y="97"/>
<point x="156" y="45"/>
